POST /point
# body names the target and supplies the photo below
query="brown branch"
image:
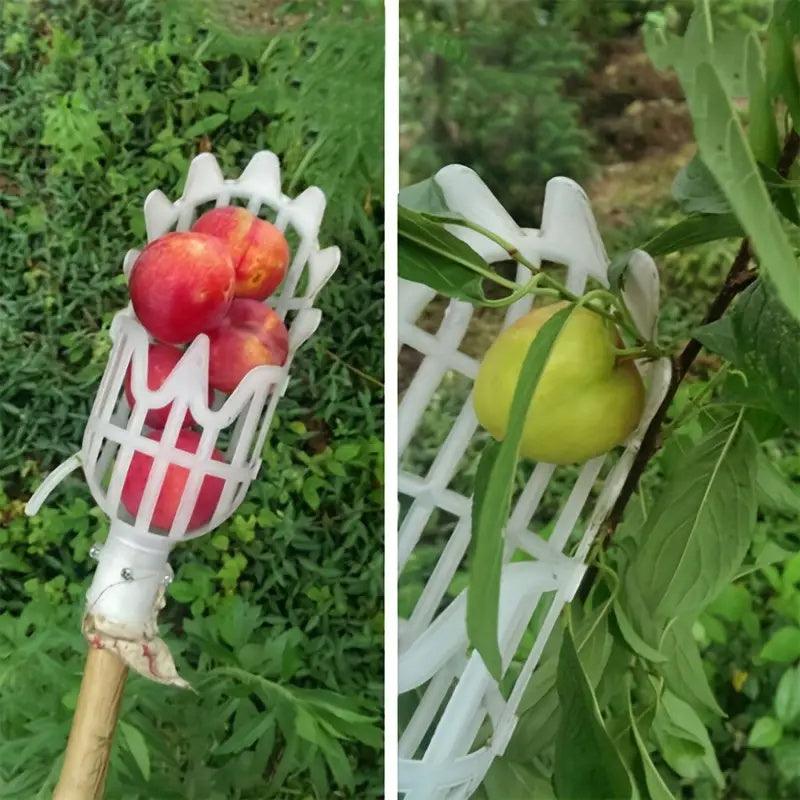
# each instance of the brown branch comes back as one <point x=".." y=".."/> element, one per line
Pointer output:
<point x="739" y="277"/>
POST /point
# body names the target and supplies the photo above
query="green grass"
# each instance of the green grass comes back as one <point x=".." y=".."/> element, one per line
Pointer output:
<point x="99" y="104"/>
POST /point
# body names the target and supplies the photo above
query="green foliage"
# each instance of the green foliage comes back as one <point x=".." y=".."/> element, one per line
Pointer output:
<point x="761" y="339"/>
<point x="710" y="76"/>
<point x="626" y="17"/>
<point x="483" y="84"/>
<point x="587" y="761"/>
<point x="684" y="668"/>
<point x="697" y="532"/>
<point x="245" y="731"/>
<point x="431" y="254"/>
<point x="99" y="104"/>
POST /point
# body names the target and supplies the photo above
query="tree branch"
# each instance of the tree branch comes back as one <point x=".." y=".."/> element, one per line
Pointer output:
<point x="739" y="277"/>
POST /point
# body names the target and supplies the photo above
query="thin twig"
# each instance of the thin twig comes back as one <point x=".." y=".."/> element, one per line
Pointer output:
<point x="738" y="279"/>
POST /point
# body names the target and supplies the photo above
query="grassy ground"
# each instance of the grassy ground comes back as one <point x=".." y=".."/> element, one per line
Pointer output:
<point x="100" y="103"/>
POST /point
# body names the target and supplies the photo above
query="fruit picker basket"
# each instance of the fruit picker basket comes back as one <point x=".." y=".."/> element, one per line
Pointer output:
<point x="457" y="719"/>
<point x="175" y="436"/>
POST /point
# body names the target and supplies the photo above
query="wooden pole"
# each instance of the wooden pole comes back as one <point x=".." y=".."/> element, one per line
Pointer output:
<point x="83" y="775"/>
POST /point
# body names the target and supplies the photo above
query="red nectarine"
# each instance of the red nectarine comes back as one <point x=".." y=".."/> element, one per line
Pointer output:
<point x="264" y="322"/>
<point x="233" y="352"/>
<point x="260" y="251"/>
<point x="161" y="360"/>
<point x="173" y="485"/>
<point x="181" y="285"/>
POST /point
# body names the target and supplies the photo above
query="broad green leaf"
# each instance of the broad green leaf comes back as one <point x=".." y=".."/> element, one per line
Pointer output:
<point x="791" y="571"/>
<point x="697" y="192"/>
<point x="774" y="490"/>
<point x="700" y="526"/>
<point x="765" y="423"/>
<point x="755" y="776"/>
<point x="587" y="763"/>
<point x="246" y="736"/>
<point x="720" y="337"/>
<point x="692" y="231"/>
<point x="494" y="484"/>
<point x="539" y="709"/>
<point x="342" y="715"/>
<point x="700" y="43"/>
<point x="337" y="761"/>
<point x="787" y="758"/>
<point x="424" y="197"/>
<point x="656" y="788"/>
<point x="762" y="130"/>
<point x="593" y="639"/>
<point x="787" y="697"/>
<point x="345" y="708"/>
<point x="683" y="740"/>
<point x="206" y="125"/>
<point x="429" y="254"/>
<point x="733" y="603"/>
<point x="738" y="391"/>
<point x="725" y="152"/>
<point x="760" y="338"/>
<point x="683" y="669"/>
<point x="704" y="63"/>
<point x="137" y="746"/>
<point x="766" y="732"/>
<point x="306" y="726"/>
<point x="508" y="779"/>
<point x="783" y="646"/>
<point x="319" y="777"/>
<point x="632" y="638"/>
<point x="288" y="761"/>
<point x="11" y="562"/>
<point x="669" y="51"/>
<point x="770" y="554"/>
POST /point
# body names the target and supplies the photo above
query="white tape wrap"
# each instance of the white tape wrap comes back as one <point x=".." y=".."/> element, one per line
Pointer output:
<point x="128" y="577"/>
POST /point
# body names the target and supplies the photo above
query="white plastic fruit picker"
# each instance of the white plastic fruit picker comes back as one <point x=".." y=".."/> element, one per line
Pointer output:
<point x="132" y="566"/>
<point x="455" y="697"/>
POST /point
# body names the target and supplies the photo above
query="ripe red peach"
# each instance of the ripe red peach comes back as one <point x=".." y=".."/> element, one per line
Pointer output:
<point x="233" y="352"/>
<point x="161" y="360"/>
<point x="172" y="486"/>
<point x="181" y="285"/>
<point x="264" y="322"/>
<point x="260" y="251"/>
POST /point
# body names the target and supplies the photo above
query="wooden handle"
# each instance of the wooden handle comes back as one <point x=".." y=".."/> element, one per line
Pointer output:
<point x="83" y="775"/>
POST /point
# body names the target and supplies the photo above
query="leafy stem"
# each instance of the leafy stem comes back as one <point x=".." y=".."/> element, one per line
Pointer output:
<point x="627" y="353"/>
<point x="547" y="285"/>
<point x="739" y="277"/>
<point x="531" y="287"/>
<point x="512" y="251"/>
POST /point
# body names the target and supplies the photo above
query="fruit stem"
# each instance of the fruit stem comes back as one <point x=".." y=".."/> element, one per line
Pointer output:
<point x="647" y="350"/>
<point x="602" y="294"/>
<point x="542" y="282"/>
<point x="531" y="287"/>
